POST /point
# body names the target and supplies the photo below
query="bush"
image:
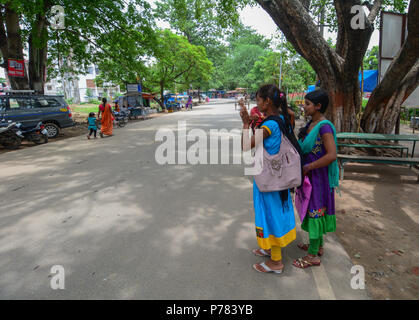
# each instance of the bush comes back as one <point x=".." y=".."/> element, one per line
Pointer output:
<point x="89" y="92"/>
<point x="69" y="101"/>
<point x="408" y="113"/>
<point x="94" y="101"/>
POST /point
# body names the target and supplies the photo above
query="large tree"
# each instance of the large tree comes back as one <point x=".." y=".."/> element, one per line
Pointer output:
<point x="338" y="68"/>
<point x="177" y="63"/>
<point x="297" y="74"/>
<point x="203" y="25"/>
<point x="91" y="31"/>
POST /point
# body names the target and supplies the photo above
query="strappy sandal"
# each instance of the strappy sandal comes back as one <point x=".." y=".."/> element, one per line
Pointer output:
<point x="266" y="269"/>
<point x="304" y="246"/>
<point x="304" y="263"/>
<point x="261" y="253"/>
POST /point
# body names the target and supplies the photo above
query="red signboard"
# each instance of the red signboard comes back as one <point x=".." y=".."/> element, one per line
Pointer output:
<point x="16" y="68"/>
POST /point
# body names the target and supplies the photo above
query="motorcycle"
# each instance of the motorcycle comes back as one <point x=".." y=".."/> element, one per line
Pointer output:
<point x="36" y="134"/>
<point x="121" y="118"/>
<point x="8" y="137"/>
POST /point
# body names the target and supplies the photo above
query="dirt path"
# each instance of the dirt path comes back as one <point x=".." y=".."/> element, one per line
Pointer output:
<point x="79" y="129"/>
<point x="378" y="225"/>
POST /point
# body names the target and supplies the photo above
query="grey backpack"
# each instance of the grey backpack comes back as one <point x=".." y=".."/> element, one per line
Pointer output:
<point x="280" y="171"/>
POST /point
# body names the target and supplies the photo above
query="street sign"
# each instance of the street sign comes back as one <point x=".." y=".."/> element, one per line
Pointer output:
<point x="134" y="87"/>
<point x="16" y="68"/>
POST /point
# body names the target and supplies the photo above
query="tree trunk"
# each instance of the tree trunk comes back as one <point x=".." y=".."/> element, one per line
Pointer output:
<point x="37" y="66"/>
<point x="399" y="82"/>
<point x="162" y="96"/>
<point x="383" y="117"/>
<point x="75" y="80"/>
<point x="14" y="47"/>
<point x="337" y="69"/>
<point x="344" y="104"/>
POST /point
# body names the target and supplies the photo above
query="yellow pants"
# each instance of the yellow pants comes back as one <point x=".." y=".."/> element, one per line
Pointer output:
<point x="276" y="253"/>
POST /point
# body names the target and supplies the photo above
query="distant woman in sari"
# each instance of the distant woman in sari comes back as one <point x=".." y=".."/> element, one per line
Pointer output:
<point x="107" y="118"/>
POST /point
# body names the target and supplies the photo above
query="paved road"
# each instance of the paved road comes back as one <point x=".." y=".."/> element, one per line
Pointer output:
<point x="124" y="227"/>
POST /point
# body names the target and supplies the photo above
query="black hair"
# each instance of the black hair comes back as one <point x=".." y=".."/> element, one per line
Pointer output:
<point x="316" y="97"/>
<point x="319" y="96"/>
<point x="91" y="114"/>
<point x="278" y="98"/>
<point x="104" y="101"/>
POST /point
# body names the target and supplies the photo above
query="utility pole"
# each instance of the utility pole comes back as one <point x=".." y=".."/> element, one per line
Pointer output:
<point x="280" y="72"/>
<point x="280" y="63"/>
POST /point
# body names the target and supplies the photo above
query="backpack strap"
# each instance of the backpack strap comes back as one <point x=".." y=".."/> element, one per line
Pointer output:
<point x="288" y="132"/>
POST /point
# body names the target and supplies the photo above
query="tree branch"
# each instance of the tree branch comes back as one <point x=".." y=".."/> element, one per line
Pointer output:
<point x="306" y="4"/>
<point x="403" y="62"/>
<point x="298" y="27"/>
<point x="411" y="81"/>
<point x="3" y="41"/>
<point x="358" y="39"/>
<point x="374" y="10"/>
<point x="109" y="53"/>
<point x="342" y="41"/>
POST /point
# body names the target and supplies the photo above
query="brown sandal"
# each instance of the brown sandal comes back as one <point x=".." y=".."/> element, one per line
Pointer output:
<point x="261" y="253"/>
<point x="304" y="263"/>
<point x="304" y="246"/>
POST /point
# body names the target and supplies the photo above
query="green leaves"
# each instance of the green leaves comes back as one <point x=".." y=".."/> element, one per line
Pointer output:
<point x="371" y="59"/>
<point x="177" y="62"/>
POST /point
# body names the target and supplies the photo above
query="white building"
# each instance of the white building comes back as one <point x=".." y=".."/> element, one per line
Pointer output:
<point x="76" y="89"/>
<point x="79" y="88"/>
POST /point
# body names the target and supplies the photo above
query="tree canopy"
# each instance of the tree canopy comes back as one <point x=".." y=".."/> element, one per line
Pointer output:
<point x="178" y="63"/>
<point x="122" y="38"/>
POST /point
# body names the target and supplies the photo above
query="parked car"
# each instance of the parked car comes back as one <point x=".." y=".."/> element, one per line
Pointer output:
<point x="29" y="108"/>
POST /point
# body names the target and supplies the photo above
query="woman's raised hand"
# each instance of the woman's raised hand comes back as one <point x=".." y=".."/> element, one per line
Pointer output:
<point x="245" y="115"/>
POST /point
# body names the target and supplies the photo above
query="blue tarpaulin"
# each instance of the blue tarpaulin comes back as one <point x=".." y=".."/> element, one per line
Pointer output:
<point x="311" y="88"/>
<point x="370" y="80"/>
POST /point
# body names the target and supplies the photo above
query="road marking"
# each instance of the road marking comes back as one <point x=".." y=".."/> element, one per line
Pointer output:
<point x="322" y="283"/>
<point x="319" y="273"/>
